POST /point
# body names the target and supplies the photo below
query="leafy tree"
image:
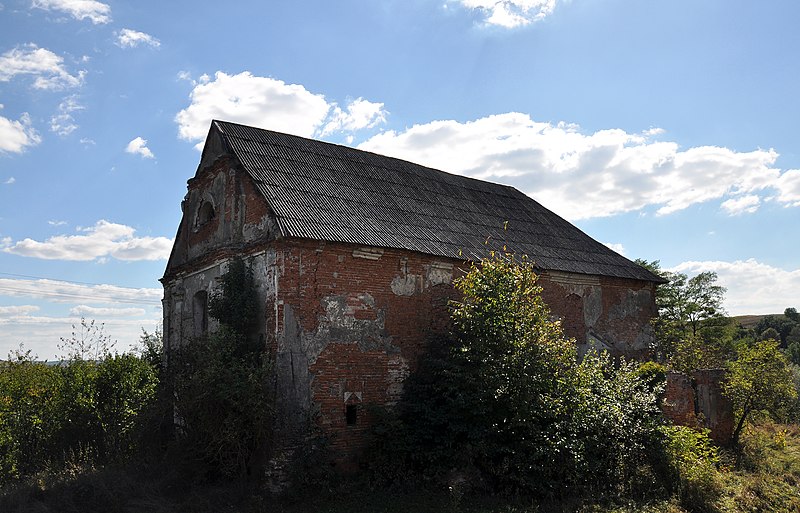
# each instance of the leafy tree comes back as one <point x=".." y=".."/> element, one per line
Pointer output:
<point x="775" y="327"/>
<point x="691" y="329"/>
<point x="759" y="382"/>
<point x="506" y="398"/>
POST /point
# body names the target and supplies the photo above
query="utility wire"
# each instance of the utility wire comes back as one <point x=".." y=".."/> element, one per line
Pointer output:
<point x="66" y="295"/>
<point x="56" y="279"/>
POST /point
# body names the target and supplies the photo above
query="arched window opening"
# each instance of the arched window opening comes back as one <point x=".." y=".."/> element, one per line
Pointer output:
<point x="200" y="313"/>
<point x="205" y="214"/>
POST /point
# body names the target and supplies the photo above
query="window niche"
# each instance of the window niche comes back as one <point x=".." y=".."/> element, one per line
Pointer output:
<point x="205" y="214"/>
<point x="352" y="407"/>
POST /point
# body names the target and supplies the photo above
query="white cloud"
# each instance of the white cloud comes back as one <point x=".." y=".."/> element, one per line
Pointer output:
<point x="741" y="204"/>
<point x="788" y="186"/>
<point x="269" y="103"/>
<point x="357" y="115"/>
<point x="619" y="248"/>
<point x="581" y="175"/>
<point x="68" y="292"/>
<point x="54" y="222"/>
<point x="9" y="311"/>
<point x="94" y="312"/>
<point x="46" y="66"/>
<point x="138" y="146"/>
<point x="511" y="13"/>
<point x="102" y="240"/>
<point x="753" y="287"/>
<point x="16" y="136"/>
<point x="63" y="123"/>
<point x="127" y="38"/>
<point x="95" y="11"/>
<point x="10" y="181"/>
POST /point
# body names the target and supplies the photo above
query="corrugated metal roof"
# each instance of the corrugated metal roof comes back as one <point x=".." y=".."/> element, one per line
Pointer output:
<point x="324" y="191"/>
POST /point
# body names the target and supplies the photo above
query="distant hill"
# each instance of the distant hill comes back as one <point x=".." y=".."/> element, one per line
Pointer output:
<point x="750" y="321"/>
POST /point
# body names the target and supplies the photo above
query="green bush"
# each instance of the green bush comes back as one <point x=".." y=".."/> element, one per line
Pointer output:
<point x="616" y="423"/>
<point x="79" y="411"/>
<point x="223" y="402"/>
<point x="222" y="384"/>
<point x="693" y="460"/>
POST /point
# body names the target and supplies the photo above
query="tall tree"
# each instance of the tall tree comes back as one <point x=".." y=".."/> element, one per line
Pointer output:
<point x="759" y="382"/>
<point x="691" y="322"/>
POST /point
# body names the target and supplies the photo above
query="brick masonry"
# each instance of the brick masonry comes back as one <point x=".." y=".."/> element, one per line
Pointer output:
<point x="698" y="401"/>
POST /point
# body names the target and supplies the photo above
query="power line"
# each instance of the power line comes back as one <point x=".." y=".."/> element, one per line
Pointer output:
<point x="67" y="295"/>
<point x="57" y="279"/>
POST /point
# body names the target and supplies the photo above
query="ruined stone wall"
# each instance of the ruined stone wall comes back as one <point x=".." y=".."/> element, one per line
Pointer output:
<point x="350" y="325"/>
<point x="678" y="401"/>
<point x="697" y="401"/>
<point x="241" y="217"/>
<point x="602" y="312"/>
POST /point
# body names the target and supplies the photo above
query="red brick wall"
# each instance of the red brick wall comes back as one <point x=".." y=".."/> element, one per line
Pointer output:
<point x="363" y="323"/>
<point x="361" y="336"/>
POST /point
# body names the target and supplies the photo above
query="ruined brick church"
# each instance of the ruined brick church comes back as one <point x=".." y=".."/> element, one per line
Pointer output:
<point x="354" y="255"/>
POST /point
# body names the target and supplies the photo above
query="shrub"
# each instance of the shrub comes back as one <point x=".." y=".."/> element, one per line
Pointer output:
<point x="693" y="460"/>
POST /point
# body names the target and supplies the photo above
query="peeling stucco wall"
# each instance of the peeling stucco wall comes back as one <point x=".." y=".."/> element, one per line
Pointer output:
<point x="602" y="312"/>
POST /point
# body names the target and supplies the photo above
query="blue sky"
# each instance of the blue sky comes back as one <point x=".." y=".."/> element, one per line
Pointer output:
<point x="666" y="130"/>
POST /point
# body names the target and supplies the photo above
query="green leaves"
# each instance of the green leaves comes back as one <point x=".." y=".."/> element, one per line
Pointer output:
<point x="507" y="398"/>
<point x="759" y="381"/>
<point x="91" y="409"/>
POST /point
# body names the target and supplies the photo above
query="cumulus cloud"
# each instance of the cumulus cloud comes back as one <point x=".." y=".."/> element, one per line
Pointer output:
<point x="103" y="240"/>
<point x="270" y="103"/>
<point x="63" y="123"/>
<point x="16" y="136"/>
<point x="46" y="66"/>
<point x="10" y="181"/>
<point x="138" y="146"/>
<point x="753" y="287"/>
<point x="788" y="186"/>
<point x="358" y="114"/>
<point x="128" y="38"/>
<point x="95" y="312"/>
<point x="511" y="13"/>
<point x="741" y="204"/>
<point x="585" y="175"/>
<point x="96" y="12"/>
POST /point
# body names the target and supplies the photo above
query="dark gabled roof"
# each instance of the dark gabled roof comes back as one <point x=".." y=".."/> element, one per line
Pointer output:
<point x="324" y="191"/>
